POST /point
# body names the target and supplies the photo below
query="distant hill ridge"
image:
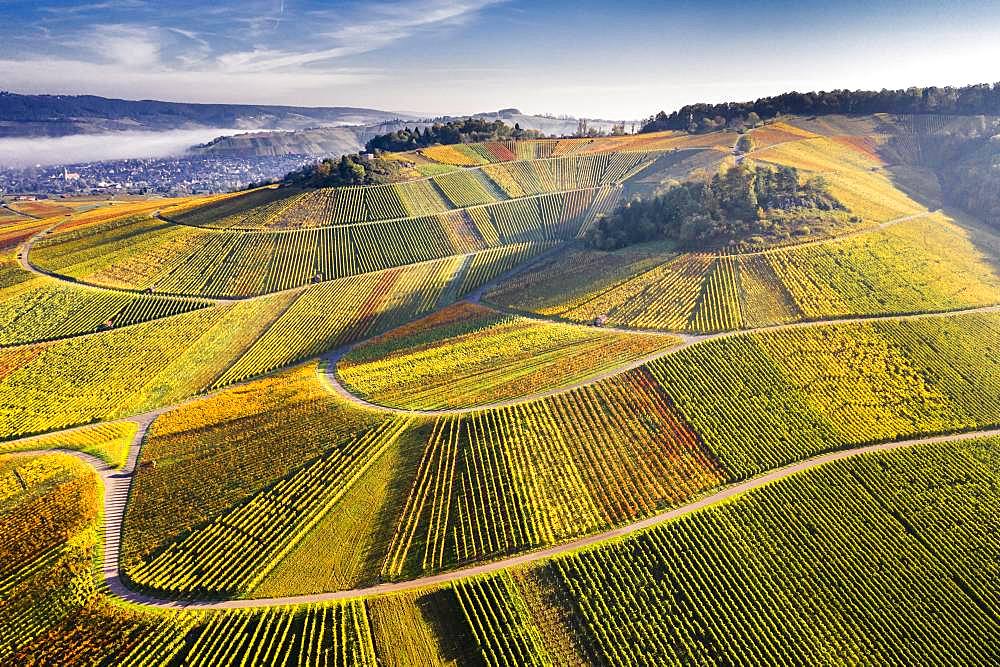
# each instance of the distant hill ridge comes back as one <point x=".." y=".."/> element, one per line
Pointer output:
<point x="979" y="99"/>
<point x="341" y="140"/>
<point x="316" y="141"/>
<point x="61" y="115"/>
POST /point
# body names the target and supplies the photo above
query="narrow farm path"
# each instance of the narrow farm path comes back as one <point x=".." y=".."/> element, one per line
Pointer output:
<point x="116" y="487"/>
<point x="144" y="419"/>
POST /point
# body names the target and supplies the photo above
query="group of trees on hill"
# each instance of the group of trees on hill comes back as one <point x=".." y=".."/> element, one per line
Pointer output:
<point x="969" y="100"/>
<point x="729" y="206"/>
<point x="340" y="172"/>
<point x="462" y="131"/>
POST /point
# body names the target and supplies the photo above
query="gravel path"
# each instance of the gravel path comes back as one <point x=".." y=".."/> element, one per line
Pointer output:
<point x="116" y="485"/>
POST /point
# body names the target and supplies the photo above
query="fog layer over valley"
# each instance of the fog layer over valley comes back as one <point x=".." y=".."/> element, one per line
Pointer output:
<point x="29" y="151"/>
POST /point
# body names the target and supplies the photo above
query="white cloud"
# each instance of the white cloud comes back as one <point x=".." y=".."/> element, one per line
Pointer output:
<point x="87" y="8"/>
<point x="393" y="21"/>
<point x="130" y="46"/>
<point x="255" y="56"/>
<point x="199" y="84"/>
<point x="264" y="60"/>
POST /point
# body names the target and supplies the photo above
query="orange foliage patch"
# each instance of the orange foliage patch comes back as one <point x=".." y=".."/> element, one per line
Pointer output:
<point x="11" y="360"/>
<point x="15" y="233"/>
<point x="41" y="209"/>
<point x="867" y="146"/>
<point x="111" y="212"/>
<point x="778" y="133"/>
<point x="458" y="312"/>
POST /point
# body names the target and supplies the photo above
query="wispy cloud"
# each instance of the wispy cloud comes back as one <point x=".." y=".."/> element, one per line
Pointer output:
<point x="256" y="42"/>
<point x="196" y="84"/>
<point x="88" y="8"/>
<point x="381" y="25"/>
<point x="396" y="20"/>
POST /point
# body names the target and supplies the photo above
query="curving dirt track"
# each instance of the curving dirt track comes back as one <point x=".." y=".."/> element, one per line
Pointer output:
<point x="117" y="482"/>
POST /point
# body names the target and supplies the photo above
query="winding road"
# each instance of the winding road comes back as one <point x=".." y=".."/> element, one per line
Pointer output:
<point x="117" y="482"/>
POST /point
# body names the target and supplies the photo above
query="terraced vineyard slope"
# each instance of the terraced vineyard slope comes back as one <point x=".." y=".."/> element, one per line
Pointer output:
<point x="433" y="421"/>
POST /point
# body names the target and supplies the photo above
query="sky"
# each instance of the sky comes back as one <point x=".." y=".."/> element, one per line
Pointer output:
<point x="616" y="60"/>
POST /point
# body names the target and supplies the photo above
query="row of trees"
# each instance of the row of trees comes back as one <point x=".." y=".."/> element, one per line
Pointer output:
<point x="729" y="206"/>
<point x="979" y="99"/>
<point x="462" y="131"/>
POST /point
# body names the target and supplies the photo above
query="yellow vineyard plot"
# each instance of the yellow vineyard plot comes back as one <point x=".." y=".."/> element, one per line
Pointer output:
<point x="860" y="383"/>
<point x="108" y="442"/>
<point x="472" y="355"/>
<point x="924" y="264"/>
<point x="854" y="176"/>
<point x="452" y="155"/>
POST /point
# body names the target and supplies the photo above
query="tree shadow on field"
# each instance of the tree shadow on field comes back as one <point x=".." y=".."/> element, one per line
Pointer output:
<point x="920" y="184"/>
<point x="923" y="185"/>
<point x="441" y="612"/>
<point x="411" y="449"/>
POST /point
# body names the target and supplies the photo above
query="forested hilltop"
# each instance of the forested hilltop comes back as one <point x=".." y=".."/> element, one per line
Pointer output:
<point x="980" y="99"/>
<point x="462" y="131"/>
<point x="744" y="203"/>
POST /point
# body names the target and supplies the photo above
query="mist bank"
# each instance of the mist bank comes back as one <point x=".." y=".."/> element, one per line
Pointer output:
<point x="28" y="152"/>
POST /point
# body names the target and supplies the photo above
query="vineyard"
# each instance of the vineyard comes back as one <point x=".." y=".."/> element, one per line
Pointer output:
<point x="155" y="256"/>
<point x="426" y="422"/>
<point x="36" y="309"/>
<point x="270" y="209"/>
<point x="498" y="481"/>
<point x="643" y="600"/>
<point x="468" y="354"/>
<point x="232" y="553"/>
<point x="647" y="600"/>
<point x="67" y="383"/>
<point x="921" y="265"/>
<point x="853" y="174"/>
<point x="760" y="401"/>
<point x="109" y="442"/>
<point x="476" y="154"/>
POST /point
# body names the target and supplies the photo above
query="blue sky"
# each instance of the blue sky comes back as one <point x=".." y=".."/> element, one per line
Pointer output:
<point x="621" y="59"/>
